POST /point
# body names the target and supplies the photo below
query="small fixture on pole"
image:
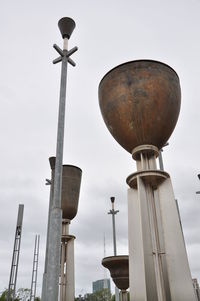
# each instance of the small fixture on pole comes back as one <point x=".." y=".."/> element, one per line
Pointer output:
<point x="66" y="26"/>
<point x="198" y="192"/>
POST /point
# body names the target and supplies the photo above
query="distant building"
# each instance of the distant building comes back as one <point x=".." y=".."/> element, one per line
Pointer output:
<point x="100" y="284"/>
<point x="196" y="288"/>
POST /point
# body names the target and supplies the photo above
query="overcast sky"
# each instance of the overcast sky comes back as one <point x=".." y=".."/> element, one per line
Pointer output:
<point x="107" y="33"/>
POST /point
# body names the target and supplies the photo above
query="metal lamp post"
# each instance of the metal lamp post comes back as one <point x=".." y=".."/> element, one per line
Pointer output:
<point x="66" y="26"/>
<point x="114" y="212"/>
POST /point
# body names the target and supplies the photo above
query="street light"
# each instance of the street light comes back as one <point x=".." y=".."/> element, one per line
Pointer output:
<point x="114" y="212"/>
<point x="66" y="26"/>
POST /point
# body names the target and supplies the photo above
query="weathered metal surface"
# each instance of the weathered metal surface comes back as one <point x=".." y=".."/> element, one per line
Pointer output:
<point x="71" y="181"/>
<point x="119" y="270"/>
<point x="140" y="103"/>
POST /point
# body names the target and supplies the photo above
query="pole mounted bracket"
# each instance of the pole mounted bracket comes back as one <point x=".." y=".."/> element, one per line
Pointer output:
<point x="64" y="54"/>
<point x="48" y="182"/>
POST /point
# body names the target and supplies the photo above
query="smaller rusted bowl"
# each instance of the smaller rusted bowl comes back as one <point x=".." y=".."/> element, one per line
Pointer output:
<point x="119" y="270"/>
<point x="71" y="182"/>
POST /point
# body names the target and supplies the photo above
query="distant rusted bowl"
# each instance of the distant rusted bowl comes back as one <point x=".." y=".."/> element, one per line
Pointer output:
<point x="119" y="270"/>
<point x="71" y="181"/>
<point x="140" y="103"/>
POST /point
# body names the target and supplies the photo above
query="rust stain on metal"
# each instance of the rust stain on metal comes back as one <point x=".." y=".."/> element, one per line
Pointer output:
<point x="140" y="103"/>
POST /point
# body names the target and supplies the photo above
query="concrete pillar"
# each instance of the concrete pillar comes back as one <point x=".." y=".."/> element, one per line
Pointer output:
<point x="158" y="264"/>
<point x="70" y="287"/>
<point x="67" y="286"/>
<point x="123" y="295"/>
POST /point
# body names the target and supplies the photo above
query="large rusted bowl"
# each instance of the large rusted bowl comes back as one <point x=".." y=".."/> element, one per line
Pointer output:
<point x="119" y="270"/>
<point x="71" y="182"/>
<point x="140" y="103"/>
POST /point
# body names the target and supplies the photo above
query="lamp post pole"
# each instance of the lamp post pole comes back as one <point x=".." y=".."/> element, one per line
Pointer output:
<point x="114" y="212"/>
<point x="66" y="26"/>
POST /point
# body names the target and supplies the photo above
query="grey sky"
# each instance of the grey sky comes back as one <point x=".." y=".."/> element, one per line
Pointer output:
<point x="107" y="33"/>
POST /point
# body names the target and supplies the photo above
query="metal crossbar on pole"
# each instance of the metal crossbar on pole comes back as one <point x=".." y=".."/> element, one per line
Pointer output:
<point x="35" y="268"/>
<point x="15" y="257"/>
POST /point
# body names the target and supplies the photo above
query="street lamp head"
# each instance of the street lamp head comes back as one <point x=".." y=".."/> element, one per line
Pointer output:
<point x="66" y="26"/>
<point x="112" y="199"/>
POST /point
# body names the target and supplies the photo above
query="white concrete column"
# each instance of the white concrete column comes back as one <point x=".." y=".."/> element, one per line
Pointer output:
<point x="70" y="286"/>
<point x="62" y="272"/>
<point x="158" y="264"/>
<point x="142" y="277"/>
<point x="179" y="275"/>
<point x="123" y="295"/>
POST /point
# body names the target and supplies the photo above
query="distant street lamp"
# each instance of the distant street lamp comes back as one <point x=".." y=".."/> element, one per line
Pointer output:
<point x="113" y="212"/>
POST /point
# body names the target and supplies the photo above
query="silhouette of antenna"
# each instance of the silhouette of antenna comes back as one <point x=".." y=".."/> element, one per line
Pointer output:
<point x="35" y="268"/>
<point x="15" y="257"/>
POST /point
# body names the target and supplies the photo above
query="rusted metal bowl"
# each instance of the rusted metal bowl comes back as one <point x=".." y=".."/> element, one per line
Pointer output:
<point x="140" y="103"/>
<point x="71" y="181"/>
<point x="119" y="270"/>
